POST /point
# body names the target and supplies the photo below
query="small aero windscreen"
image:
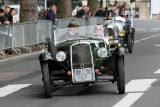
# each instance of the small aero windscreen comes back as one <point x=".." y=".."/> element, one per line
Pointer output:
<point x="86" y="32"/>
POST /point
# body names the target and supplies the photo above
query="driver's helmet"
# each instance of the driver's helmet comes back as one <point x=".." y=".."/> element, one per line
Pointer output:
<point x="73" y="23"/>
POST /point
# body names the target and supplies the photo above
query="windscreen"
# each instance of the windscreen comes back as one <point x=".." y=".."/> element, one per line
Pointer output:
<point x="86" y="32"/>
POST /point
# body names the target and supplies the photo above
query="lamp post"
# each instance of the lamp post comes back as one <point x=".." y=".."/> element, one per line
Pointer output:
<point x="45" y="4"/>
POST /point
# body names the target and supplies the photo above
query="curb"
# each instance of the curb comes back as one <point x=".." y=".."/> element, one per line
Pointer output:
<point x="21" y="56"/>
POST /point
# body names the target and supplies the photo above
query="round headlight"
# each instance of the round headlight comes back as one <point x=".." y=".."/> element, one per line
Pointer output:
<point x="122" y="33"/>
<point x="60" y="56"/>
<point x="102" y="52"/>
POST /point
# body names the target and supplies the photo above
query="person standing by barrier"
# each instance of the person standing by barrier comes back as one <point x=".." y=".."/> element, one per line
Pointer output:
<point x="99" y="12"/>
<point x="111" y="13"/>
<point x="11" y="14"/>
<point x="2" y="18"/>
<point x="51" y="15"/>
<point x="122" y="9"/>
<point x="7" y="13"/>
<point x="82" y="13"/>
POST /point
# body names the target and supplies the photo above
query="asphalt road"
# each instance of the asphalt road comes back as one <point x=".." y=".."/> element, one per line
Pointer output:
<point x="21" y="85"/>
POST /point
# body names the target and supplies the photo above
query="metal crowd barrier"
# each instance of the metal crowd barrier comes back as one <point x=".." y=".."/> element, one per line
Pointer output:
<point x="24" y="34"/>
<point x="21" y="35"/>
<point x="63" y="23"/>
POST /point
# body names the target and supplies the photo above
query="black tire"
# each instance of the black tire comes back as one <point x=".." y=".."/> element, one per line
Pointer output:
<point x="130" y="43"/>
<point x="120" y="75"/>
<point x="46" y="80"/>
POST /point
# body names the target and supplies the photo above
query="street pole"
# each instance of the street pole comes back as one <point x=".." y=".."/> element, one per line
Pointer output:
<point x="131" y="16"/>
<point x="45" y="4"/>
<point x="135" y="9"/>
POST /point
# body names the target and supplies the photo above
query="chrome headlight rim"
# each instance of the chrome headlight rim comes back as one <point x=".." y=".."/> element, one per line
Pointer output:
<point x="102" y="52"/>
<point x="61" y="56"/>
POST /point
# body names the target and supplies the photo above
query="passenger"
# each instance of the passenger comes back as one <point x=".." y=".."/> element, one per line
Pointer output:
<point x="72" y="33"/>
<point x="98" y="31"/>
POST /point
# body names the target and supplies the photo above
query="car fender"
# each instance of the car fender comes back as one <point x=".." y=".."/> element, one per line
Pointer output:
<point x="45" y="56"/>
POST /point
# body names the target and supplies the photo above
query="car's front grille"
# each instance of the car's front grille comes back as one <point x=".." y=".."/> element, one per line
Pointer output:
<point x="81" y="56"/>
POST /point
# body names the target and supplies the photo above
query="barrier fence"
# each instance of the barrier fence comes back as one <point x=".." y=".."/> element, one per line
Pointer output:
<point x="25" y="34"/>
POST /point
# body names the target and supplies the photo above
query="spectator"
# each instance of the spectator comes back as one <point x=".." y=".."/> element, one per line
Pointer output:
<point x="77" y="9"/>
<point x="100" y="12"/>
<point x="74" y="12"/>
<point x="2" y="18"/>
<point x="7" y="11"/>
<point x="82" y="13"/>
<point x="11" y="14"/>
<point x="122" y="9"/>
<point x="87" y="12"/>
<point x="105" y="12"/>
<point x="51" y="14"/>
<point x="111" y="13"/>
<point x="2" y="7"/>
<point x="42" y="14"/>
<point x="115" y="3"/>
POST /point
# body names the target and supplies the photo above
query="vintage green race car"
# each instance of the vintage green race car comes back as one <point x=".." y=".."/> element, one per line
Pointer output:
<point x="82" y="56"/>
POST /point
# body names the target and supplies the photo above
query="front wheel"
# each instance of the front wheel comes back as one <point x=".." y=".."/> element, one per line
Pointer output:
<point x="46" y="79"/>
<point x="120" y="75"/>
<point x="130" y="43"/>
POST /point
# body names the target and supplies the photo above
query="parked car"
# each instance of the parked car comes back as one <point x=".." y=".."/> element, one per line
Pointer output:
<point x="82" y="59"/>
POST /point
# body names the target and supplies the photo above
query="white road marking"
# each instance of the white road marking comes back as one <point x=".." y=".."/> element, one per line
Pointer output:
<point x="139" y="85"/>
<point x="155" y="29"/>
<point x="4" y="91"/>
<point x="128" y="100"/>
<point x="146" y="38"/>
<point x="157" y="72"/>
<point x="158" y="45"/>
<point x="140" y="29"/>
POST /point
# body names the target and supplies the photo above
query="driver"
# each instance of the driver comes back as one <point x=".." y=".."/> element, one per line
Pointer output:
<point x="72" y="32"/>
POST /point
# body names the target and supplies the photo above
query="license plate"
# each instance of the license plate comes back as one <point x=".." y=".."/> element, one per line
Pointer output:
<point x="83" y="74"/>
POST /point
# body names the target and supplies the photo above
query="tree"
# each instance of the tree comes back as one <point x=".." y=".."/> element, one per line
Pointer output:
<point x="64" y="9"/>
<point x="28" y="10"/>
<point x="93" y="5"/>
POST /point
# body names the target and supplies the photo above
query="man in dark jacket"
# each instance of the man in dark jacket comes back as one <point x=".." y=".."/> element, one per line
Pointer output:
<point x="51" y="14"/>
<point x="2" y="18"/>
<point x="100" y="12"/>
<point x="111" y="13"/>
<point x="82" y="13"/>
